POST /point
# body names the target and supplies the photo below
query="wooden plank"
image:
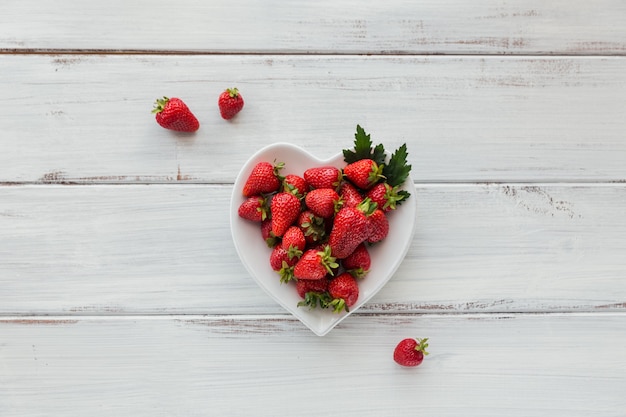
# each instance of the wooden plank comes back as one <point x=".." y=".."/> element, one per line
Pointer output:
<point x="86" y="119"/>
<point x="491" y="365"/>
<point x="395" y="26"/>
<point x="160" y="249"/>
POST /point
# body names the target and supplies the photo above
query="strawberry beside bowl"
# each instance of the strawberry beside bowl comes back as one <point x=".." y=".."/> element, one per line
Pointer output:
<point x="386" y="256"/>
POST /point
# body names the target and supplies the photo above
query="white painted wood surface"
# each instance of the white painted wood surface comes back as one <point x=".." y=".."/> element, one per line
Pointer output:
<point x="120" y="290"/>
<point x="148" y="249"/>
<point x="481" y="364"/>
<point x="466" y="118"/>
<point x="301" y="26"/>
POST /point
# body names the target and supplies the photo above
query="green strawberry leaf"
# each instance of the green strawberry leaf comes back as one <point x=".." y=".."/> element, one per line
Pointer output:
<point x="363" y="149"/>
<point x="402" y="197"/>
<point x="397" y="169"/>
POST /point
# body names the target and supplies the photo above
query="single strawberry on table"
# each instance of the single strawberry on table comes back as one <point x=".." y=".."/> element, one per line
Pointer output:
<point x="410" y="352"/>
<point x="173" y="113"/>
<point x="230" y="102"/>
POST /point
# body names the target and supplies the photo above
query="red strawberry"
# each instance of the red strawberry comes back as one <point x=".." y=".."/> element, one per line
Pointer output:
<point x="173" y="114"/>
<point x="385" y="196"/>
<point x="264" y="178"/>
<point x="253" y="209"/>
<point x="278" y="256"/>
<point x="363" y="173"/>
<point x="315" y="264"/>
<point x="282" y="263"/>
<point x="323" y="177"/>
<point x="410" y="352"/>
<point x="323" y="202"/>
<point x="304" y="286"/>
<point x="312" y="226"/>
<point x="313" y="292"/>
<point x="294" y="242"/>
<point x="350" y="229"/>
<point x="230" y="103"/>
<point x="344" y="291"/>
<point x="350" y="196"/>
<point x="358" y="262"/>
<point x="378" y="226"/>
<point x="266" y="233"/>
<point x="295" y="185"/>
<point x="285" y="210"/>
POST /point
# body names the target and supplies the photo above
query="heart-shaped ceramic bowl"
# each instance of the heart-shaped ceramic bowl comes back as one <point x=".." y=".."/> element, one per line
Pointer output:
<point x="386" y="256"/>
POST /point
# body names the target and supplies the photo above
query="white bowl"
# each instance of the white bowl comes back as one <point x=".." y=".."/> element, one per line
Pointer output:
<point x="386" y="256"/>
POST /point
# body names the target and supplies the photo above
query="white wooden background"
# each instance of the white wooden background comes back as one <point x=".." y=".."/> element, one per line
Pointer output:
<point x="120" y="289"/>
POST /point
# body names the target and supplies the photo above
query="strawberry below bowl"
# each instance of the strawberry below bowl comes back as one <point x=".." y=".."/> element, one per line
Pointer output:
<point x="386" y="256"/>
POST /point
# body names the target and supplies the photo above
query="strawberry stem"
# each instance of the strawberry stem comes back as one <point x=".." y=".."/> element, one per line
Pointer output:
<point x="233" y="92"/>
<point x="160" y="104"/>
<point x="422" y="345"/>
<point x="328" y="261"/>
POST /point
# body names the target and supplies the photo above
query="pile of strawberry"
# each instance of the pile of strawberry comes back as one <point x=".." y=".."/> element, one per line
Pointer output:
<point x="321" y="224"/>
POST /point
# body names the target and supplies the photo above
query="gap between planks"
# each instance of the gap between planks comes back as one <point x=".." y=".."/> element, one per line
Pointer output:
<point x="78" y="317"/>
<point x="433" y="183"/>
<point x="356" y="53"/>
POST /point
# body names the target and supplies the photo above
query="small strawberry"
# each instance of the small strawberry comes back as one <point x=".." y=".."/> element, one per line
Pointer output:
<point x="253" y="209"/>
<point x="378" y="225"/>
<point x="285" y="210"/>
<point x="266" y="233"/>
<point x="295" y="185"/>
<point x="323" y="202"/>
<point x="173" y="114"/>
<point x="323" y="177"/>
<point x="278" y="256"/>
<point x="344" y="291"/>
<point x="230" y="103"/>
<point x="363" y="173"/>
<point x="304" y="286"/>
<point x="350" y="196"/>
<point x="293" y="242"/>
<point x="410" y="352"/>
<point x="313" y="227"/>
<point x="264" y="178"/>
<point x="313" y="292"/>
<point x="315" y="264"/>
<point x="350" y="229"/>
<point x="386" y="196"/>
<point x="281" y="262"/>
<point x="358" y="262"/>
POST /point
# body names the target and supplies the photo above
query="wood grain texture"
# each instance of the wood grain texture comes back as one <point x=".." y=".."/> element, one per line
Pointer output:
<point x="299" y="26"/>
<point x="521" y="365"/>
<point x="161" y="249"/>
<point x="86" y="119"/>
